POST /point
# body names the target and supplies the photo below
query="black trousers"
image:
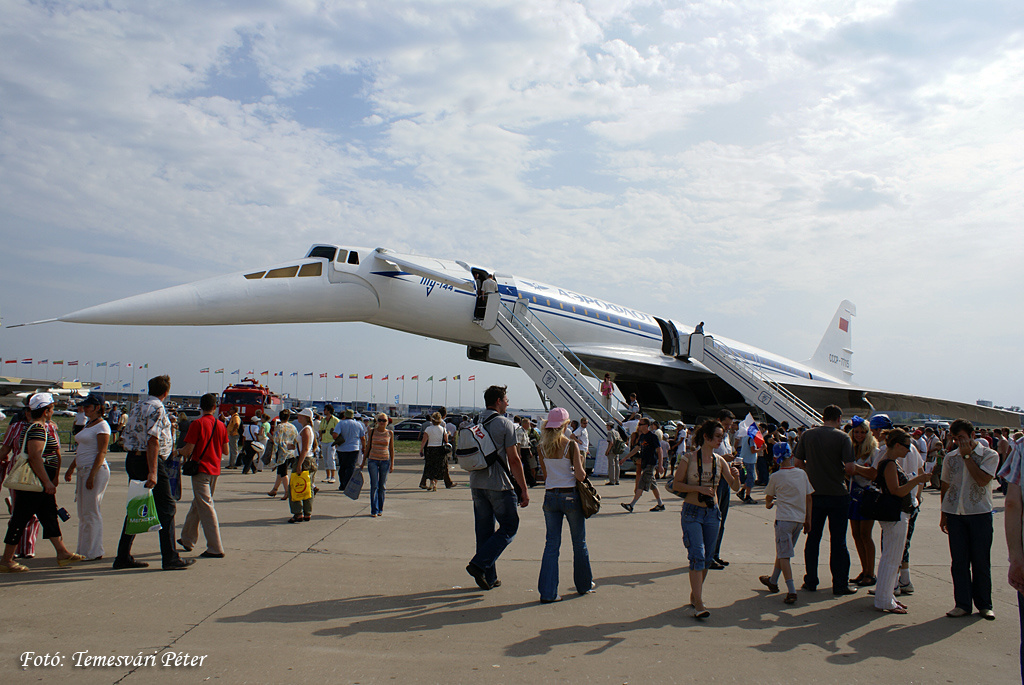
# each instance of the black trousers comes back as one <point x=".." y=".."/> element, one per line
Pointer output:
<point x="39" y="504"/>
<point x="137" y="468"/>
<point x="346" y="463"/>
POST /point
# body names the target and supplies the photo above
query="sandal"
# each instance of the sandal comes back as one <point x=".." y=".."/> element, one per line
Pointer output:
<point x="15" y="567"/>
<point x="900" y="609"/>
<point x="67" y="561"/>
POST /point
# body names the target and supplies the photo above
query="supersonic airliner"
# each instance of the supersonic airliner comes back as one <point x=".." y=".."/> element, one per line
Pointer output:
<point x="436" y="298"/>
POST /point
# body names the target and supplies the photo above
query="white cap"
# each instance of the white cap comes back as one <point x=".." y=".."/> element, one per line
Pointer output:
<point x="308" y="413"/>
<point x="40" y="400"/>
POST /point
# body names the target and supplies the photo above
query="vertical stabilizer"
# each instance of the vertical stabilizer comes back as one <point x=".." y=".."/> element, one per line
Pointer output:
<point x="834" y="355"/>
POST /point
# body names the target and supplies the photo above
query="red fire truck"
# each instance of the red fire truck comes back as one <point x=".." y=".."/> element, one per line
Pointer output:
<point x="248" y="396"/>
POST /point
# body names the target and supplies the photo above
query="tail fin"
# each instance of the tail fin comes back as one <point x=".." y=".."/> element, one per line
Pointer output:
<point x="835" y="351"/>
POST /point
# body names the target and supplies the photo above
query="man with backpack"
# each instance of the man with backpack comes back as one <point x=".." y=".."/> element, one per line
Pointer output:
<point x="495" y="493"/>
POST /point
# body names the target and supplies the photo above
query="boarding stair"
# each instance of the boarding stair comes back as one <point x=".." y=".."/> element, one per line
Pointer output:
<point x="757" y="389"/>
<point x="558" y="372"/>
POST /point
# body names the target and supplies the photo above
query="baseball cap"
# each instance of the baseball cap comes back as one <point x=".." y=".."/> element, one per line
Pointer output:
<point x="556" y="417"/>
<point x="880" y="422"/>
<point x="40" y="400"/>
<point x="91" y="401"/>
<point x="307" y="412"/>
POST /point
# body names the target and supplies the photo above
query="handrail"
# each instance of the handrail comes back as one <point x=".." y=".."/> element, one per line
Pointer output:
<point x="559" y="356"/>
<point x="803" y="406"/>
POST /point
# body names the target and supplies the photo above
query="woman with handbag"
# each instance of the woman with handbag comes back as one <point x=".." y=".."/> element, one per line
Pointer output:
<point x="434" y="453"/>
<point x="894" y="485"/>
<point x="305" y="463"/>
<point x="283" y="443"/>
<point x="202" y="447"/>
<point x="562" y="466"/>
<point x="93" y="476"/>
<point x="380" y="461"/>
<point x="39" y="496"/>
<point x="696" y="480"/>
<point x="8" y="454"/>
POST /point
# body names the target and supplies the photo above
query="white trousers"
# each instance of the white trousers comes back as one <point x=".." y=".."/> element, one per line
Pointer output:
<point x="894" y="539"/>
<point x="90" y="522"/>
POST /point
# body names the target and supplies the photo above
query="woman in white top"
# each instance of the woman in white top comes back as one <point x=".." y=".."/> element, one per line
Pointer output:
<point x="435" y="437"/>
<point x="865" y="449"/>
<point x="93" y="476"/>
<point x="562" y="466"/>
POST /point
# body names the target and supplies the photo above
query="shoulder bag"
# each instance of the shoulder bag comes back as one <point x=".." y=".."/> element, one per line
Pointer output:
<point x="191" y="467"/>
<point x="590" y="500"/>
<point x="22" y="477"/>
<point x="876" y="502"/>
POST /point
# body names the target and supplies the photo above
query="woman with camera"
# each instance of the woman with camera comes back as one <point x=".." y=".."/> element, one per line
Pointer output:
<point x="696" y="480"/>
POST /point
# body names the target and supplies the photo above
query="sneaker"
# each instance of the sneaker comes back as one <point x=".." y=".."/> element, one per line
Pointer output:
<point x="959" y="612"/>
<point x="987" y="614"/>
<point x="178" y="564"/>
<point x="658" y="507"/>
<point x="906" y="588"/>
<point x="767" y="582"/>
<point x="627" y="507"/>
<point x="130" y="562"/>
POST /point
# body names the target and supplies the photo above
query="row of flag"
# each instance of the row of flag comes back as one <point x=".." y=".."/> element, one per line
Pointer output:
<point x="368" y="377"/>
<point x="61" y="362"/>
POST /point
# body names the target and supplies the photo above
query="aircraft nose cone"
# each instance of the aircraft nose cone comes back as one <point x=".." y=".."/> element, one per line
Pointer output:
<point x="234" y="299"/>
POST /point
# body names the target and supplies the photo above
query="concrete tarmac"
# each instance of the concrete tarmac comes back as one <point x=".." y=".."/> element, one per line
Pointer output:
<point x="354" y="599"/>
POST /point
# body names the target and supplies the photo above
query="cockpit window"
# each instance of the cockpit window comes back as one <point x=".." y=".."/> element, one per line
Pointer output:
<point x="314" y="269"/>
<point x="342" y="256"/>
<point x="254" y="276"/>
<point x="283" y="272"/>
<point x="353" y="257"/>
<point x="322" y="251"/>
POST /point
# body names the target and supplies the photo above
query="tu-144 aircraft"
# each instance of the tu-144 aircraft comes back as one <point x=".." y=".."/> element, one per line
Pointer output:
<point x="436" y="298"/>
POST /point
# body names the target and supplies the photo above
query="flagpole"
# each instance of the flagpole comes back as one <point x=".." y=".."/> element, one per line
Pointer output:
<point x="431" y="391"/>
<point x="296" y="385"/>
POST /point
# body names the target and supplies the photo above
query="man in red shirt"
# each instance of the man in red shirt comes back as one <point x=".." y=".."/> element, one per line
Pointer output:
<point x="204" y="444"/>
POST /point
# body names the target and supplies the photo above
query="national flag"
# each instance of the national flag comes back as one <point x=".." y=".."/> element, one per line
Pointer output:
<point x="415" y="378"/>
<point x="456" y="378"/>
<point x="401" y="378"/>
<point x="368" y="378"/>
<point x="58" y="362"/>
<point x="127" y="385"/>
<point x="74" y="363"/>
<point x="219" y="371"/>
<point x="294" y="373"/>
<point x="749" y="427"/>
<point x="323" y="375"/>
<point x="279" y="373"/>
<point x="354" y="375"/>
<point x="339" y="375"/>
<point x="99" y="364"/>
<point x="384" y="377"/>
<point x="235" y="372"/>
<point x="443" y="379"/>
<point x="112" y="364"/>
<point x="844" y="325"/>
<point x="431" y="378"/>
<point x="264" y="373"/>
<point x="308" y="374"/>
<point x="11" y="361"/>
<point x="129" y="365"/>
<point x="42" y="361"/>
<point x="471" y="378"/>
<point x="27" y="361"/>
<point x="145" y="366"/>
<point x="206" y="370"/>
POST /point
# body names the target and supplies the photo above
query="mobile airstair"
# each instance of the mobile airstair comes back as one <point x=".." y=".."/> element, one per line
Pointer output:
<point x="757" y="389"/>
<point x="558" y="372"/>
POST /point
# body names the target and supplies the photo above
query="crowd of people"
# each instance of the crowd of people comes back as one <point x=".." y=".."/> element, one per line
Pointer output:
<point x="841" y="474"/>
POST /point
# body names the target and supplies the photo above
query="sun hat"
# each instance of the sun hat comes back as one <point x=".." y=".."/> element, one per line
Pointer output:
<point x="40" y="400"/>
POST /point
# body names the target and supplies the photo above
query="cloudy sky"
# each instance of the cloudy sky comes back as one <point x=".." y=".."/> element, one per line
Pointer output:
<point x="749" y="164"/>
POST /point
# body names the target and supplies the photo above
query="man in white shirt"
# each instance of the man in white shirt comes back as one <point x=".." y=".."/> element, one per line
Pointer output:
<point x="582" y="437"/>
<point x="966" y="518"/>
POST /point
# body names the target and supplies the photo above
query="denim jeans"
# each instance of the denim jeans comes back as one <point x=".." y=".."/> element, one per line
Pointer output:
<point x="748" y="481"/>
<point x="700" y="532"/>
<point x="378" y="469"/>
<point x="490" y="506"/>
<point x="836" y="511"/>
<point x="970" y="547"/>
<point x="556" y="505"/>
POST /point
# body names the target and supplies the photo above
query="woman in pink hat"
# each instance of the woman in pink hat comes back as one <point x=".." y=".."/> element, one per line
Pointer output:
<point x="562" y="465"/>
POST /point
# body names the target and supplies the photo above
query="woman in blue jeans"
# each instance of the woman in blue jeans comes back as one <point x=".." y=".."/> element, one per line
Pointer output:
<point x="380" y="461"/>
<point x="697" y="478"/>
<point x="562" y="466"/>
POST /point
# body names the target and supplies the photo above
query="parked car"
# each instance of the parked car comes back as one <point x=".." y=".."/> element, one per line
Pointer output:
<point x="410" y="429"/>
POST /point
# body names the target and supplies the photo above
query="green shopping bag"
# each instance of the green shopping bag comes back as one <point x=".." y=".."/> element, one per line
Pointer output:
<point x="142" y="516"/>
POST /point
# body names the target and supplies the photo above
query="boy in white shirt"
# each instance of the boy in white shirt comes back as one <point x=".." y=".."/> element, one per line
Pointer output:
<point x="792" y="489"/>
